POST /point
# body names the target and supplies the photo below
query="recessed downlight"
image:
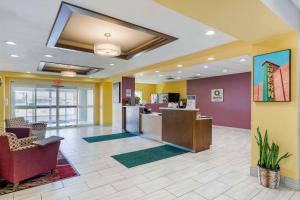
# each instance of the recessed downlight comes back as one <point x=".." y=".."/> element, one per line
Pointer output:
<point x="10" y="43"/>
<point x="156" y="71"/>
<point x="205" y="66"/>
<point x="242" y="60"/>
<point x="28" y="72"/>
<point x="179" y="65"/>
<point x="111" y="64"/>
<point x="179" y="72"/>
<point x="225" y="70"/>
<point x="211" y="58"/>
<point x="48" y="56"/>
<point x="210" y="32"/>
<point x="14" y="56"/>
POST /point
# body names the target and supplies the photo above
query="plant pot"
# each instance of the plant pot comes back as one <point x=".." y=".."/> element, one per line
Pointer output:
<point x="268" y="178"/>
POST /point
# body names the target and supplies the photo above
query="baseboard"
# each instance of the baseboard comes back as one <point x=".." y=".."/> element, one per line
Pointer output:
<point x="284" y="181"/>
<point x="232" y="128"/>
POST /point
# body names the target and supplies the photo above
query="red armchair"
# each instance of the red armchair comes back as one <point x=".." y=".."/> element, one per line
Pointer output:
<point x="20" y="160"/>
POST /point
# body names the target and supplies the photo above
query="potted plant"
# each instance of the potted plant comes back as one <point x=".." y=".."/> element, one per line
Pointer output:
<point x="268" y="163"/>
<point x="137" y="100"/>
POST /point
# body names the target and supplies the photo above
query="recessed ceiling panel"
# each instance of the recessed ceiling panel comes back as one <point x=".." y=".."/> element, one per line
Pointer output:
<point x="58" y="68"/>
<point x="79" y="29"/>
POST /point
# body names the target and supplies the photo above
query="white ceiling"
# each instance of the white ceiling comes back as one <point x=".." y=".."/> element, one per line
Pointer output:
<point x="232" y="66"/>
<point x="29" y="22"/>
<point x="296" y="3"/>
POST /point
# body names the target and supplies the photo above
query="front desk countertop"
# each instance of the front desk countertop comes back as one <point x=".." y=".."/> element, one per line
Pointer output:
<point x="182" y="109"/>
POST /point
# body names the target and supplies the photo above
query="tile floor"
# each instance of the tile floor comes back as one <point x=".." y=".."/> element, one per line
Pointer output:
<point x="221" y="173"/>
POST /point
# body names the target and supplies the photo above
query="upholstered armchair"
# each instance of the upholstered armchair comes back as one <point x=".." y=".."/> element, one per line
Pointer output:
<point x="19" y="132"/>
<point x="20" y="160"/>
<point x="38" y="128"/>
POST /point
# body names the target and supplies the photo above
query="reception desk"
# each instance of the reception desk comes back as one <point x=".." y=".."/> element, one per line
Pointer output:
<point x="183" y="128"/>
<point x="152" y="126"/>
<point x="132" y="118"/>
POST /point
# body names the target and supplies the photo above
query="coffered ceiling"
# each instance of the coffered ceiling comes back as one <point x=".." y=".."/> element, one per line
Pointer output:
<point x="28" y="24"/>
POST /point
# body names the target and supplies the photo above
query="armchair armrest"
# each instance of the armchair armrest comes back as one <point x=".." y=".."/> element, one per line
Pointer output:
<point x="28" y="140"/>
<point x="21" y="132"/>
<point x="46" y="141"/>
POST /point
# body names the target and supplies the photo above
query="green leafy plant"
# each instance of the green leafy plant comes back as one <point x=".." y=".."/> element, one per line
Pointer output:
<point x="268" y="154"/>
<point x="137" y="100"/>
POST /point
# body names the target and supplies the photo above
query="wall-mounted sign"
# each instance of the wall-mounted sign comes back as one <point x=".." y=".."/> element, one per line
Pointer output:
<point x="217" y="95"/>
<point x="128" y="93"/>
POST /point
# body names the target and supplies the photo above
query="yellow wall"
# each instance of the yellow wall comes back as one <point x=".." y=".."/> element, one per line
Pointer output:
<point x="176" y="87"/>
<point x="279" y="118"/>
<point x="106" y="103"/>
<point x="168" y="87"/>
<point x="147" y="90"/>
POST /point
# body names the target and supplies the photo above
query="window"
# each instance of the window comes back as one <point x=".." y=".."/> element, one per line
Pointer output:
<point x="57" y="106"/>
<point x="138" y="93"/>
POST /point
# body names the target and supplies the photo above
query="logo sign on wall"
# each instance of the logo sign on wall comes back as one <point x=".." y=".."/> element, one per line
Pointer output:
<point x="217" y="95"/>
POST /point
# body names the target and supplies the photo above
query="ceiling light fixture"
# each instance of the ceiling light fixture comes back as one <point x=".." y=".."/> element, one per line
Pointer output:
<point x="107" y="49"/>
<point x="28" y="72"/>
<point x="179" y="72"/>
<point x="111" y="64"/>
<point x="242" y="60"/>
<point x="10" y="43"/>
<point x="14" y="56"/>
<point x="205" y="66"/>
<point x="157" y="71"/>
<point x="210" y="58"/>
<point x="198" y="74"/>
<point x="161" y="75"/>
<point x="211" y="32"/>
<point x="68" y="73"/>
<point x="179" y="66"/>
<point x="48" y="56"/>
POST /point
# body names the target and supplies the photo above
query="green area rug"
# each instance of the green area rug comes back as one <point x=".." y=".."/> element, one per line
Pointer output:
<point x="102" y="138"/>
<point x="135" y="158"/>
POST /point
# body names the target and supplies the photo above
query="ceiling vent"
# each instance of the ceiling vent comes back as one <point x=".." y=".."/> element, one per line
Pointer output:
<point x="170" y="78"/>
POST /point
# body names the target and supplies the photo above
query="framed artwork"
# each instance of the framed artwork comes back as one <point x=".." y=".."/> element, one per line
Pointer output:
<point x="271" y="77"/>
<point x="217" y="95"/>
<point x="116" y="92"/>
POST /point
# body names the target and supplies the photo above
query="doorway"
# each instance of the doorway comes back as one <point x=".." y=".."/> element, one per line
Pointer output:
<point x="63" y="106"/>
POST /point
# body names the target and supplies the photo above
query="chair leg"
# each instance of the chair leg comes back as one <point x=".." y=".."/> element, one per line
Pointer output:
<point x="52" y="171"/>
<point x="16" y="185"/>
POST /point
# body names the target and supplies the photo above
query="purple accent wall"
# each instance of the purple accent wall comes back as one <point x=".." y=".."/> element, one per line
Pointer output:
<point x="235" y="111"/>
<point x="128" y="83"/>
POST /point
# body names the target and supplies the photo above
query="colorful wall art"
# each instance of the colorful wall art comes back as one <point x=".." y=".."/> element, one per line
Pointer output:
<point x="271" y="79"/>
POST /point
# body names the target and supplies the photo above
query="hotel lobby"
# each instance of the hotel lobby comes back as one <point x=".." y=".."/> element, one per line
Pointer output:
<point x="149" y="99"/>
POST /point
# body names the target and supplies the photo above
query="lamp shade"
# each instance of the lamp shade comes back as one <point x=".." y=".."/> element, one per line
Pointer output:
<point x="107" y="49"/>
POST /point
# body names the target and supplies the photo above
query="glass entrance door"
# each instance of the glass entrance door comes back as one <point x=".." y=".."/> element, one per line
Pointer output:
<point x="58" y="106"/>
<point x="67" y="107"/>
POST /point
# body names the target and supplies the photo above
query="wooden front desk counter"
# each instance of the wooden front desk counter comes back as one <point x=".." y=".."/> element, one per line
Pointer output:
<point x="181" y="127"/>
